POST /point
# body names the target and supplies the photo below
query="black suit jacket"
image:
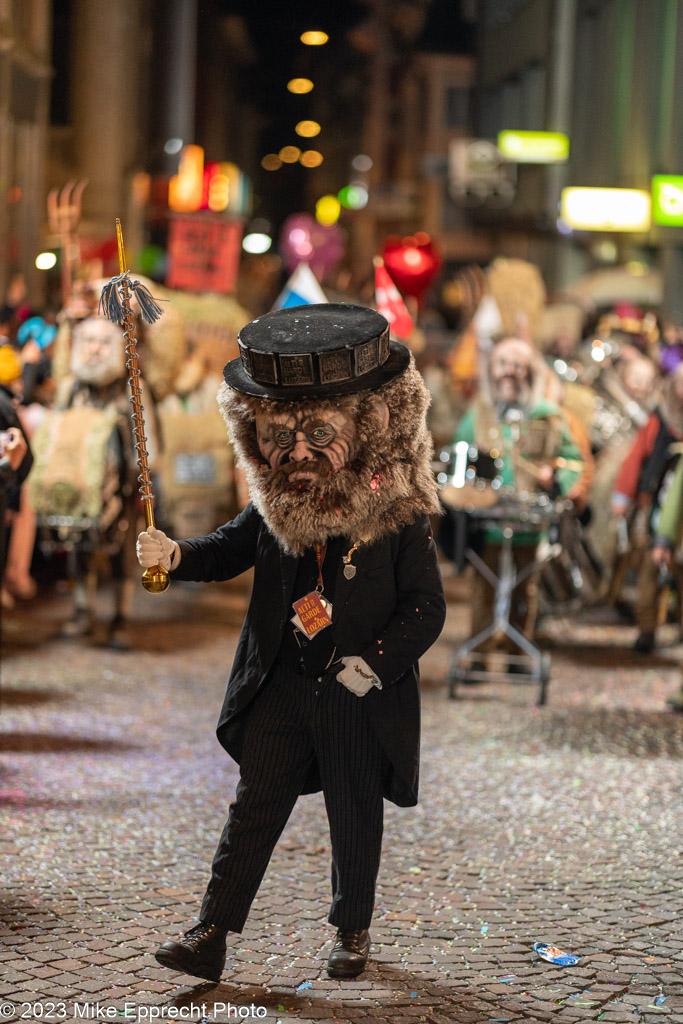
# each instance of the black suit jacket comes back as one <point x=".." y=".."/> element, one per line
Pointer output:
<point x="390" y="613"/>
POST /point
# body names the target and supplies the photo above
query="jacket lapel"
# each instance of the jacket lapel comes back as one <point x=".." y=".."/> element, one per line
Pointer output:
<point x="288" y="567"/>
<point x="343" y="587"/>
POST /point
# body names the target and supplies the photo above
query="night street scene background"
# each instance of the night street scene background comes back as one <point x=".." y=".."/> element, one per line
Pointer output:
<point x="503" y="181"/>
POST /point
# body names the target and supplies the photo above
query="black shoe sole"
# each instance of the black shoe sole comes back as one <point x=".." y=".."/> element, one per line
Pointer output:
<point x="176" y="962"/>
<point x="348" y="970"/>
<point x="331" y="973"/>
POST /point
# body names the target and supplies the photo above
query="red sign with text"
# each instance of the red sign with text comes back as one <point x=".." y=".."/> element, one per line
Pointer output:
<point x="203" y="253"/>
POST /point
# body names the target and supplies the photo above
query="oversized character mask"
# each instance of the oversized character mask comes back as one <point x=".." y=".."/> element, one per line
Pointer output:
<point x="327" y="416"/>
<point x="97" y="352"/>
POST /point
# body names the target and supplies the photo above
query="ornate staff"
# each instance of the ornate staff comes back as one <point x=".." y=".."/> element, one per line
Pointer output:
<point x="115" y="305"/>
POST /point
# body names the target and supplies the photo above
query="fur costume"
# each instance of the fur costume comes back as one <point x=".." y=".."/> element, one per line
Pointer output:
<point x="386" y="487"/>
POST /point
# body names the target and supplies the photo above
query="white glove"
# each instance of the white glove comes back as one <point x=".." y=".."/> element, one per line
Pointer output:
<point x="155" y="548"/>
<point x="357" y="676"/>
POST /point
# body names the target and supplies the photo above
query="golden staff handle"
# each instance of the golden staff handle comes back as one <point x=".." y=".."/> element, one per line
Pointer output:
<point x="155" y="579"/>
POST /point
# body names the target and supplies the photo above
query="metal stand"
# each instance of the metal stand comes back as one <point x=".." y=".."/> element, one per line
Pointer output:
<point x="530" y="657"/>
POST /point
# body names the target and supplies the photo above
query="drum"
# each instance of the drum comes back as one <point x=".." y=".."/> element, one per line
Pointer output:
<point x="79" y="469"/>
<point x="574" y="578"/>
<point x="468" y="479"/>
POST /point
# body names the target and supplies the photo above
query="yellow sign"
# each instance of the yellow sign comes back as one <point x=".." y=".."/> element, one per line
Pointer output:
<point x="606" y="209"/>
<point x="534" y="147"/>
<point x="667" y="199"/>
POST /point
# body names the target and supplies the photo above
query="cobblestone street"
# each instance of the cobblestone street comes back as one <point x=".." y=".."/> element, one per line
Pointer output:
<point x="560" y="824"/>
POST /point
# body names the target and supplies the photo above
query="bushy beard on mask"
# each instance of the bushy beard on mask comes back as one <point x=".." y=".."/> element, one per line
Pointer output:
<point x="387" y="486"/>
<point x="108" y="367"/>
<point x="302" y="513"/>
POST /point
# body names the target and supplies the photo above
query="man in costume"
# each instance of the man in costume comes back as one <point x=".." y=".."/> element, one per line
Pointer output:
<point x="327" y="416"/>
<point x="667" y="550"/>
<point x="13" y="474"/>
<point x="639" y="492"/>
<point x="530" y="440"/>
<point x="85" y="468"/>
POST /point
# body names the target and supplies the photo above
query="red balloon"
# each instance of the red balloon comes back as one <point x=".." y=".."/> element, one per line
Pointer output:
<point x="412" y="262"/>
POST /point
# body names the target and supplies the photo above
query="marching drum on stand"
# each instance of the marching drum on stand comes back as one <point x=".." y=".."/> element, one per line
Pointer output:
<point x="476" y="500"/>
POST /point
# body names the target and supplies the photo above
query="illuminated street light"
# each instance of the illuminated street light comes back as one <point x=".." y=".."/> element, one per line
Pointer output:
<point x="327" y="210"/>
<point x="307" y="129"/>
<point x="300" y="85"/>
<point x="606" y="209"/>
<point x="257" y="242"/>
<point x="361" y="163"/>
<point x="353" y="197"/>
<point x="314" y="38"/>
<point x="271" y="162"/>
<point x="289" y="154"/>
<point x="46" y="260"/>
<point x="311" y="158"/>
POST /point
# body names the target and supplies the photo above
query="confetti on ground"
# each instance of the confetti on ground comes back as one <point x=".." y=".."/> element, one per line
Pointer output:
<point x="95" y="793"/>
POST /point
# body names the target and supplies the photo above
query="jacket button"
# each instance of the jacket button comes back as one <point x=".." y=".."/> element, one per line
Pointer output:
<point x="320" y="679"/>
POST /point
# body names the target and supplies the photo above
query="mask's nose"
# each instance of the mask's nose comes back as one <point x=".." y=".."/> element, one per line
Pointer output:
<point x="300" y="452"/>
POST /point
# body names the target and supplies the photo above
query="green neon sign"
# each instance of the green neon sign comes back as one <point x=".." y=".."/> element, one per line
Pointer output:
<point x="534" y="147"/>
<point x="667" y="199"/>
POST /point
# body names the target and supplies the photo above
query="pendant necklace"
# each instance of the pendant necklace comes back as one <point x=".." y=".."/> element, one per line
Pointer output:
<point x="349" y="568"/>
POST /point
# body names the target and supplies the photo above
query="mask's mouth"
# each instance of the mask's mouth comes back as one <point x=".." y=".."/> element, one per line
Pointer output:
<point x="304" y="474"/>
<point x="291" y="475"/>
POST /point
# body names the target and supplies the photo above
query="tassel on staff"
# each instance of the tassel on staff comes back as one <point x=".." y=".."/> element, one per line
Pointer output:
<point x="115" y="305"/>
<point x="112" y="307"/>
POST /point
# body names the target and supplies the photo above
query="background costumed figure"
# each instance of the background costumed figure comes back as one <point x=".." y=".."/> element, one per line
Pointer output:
<point x="513" y="422"/>
<point x="83" y="485"/>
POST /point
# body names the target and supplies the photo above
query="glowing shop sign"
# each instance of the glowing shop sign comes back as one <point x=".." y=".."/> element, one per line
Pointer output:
<point x="667" y="199"/>
<point x="534" y="147"/>
<point x="605" y="209"/>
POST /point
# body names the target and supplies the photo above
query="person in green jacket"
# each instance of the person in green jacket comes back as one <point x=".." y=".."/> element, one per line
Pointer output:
<point x="667" y="545"/>
<point x="512" y="421"/>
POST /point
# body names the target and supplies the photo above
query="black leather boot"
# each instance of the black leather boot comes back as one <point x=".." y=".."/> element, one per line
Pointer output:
<point x="349" y="954"/>
<point x="200" y="952"/>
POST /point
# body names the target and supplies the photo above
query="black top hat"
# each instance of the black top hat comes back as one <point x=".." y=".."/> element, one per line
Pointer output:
<point x="315" y="351"/>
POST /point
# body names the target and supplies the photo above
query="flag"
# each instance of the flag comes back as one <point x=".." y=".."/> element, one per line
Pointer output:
<point x="390" y="304"/>
<point x="302" y="289"/>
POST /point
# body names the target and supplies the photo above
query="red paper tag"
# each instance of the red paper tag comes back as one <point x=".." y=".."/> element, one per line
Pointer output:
<point x="313" y="613"/>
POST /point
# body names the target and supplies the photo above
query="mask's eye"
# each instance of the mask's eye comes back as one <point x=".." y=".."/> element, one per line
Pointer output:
<point x="283" y="438"/>
<point x="320" y="435"/>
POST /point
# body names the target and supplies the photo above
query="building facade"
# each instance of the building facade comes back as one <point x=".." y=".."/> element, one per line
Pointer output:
<point x="25" y="74"/>
<point x="609" y="74"/>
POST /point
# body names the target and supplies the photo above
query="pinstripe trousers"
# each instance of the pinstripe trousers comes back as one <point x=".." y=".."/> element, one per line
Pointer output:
<point x="295" y="722"/>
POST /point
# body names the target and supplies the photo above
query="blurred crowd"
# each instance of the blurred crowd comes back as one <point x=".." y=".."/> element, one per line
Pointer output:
<point x="562" y="425"/>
